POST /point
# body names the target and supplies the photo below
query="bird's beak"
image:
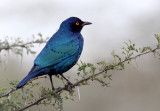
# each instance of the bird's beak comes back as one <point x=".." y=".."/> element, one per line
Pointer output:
<point x="86" y="23"/>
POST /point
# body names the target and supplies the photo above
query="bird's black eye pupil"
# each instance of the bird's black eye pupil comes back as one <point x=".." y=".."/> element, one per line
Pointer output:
<point x="77" y="23"/>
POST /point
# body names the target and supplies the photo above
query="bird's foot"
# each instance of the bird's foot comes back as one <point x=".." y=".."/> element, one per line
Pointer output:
<point x="69" y="83"/>
<point x="69" y="86"/>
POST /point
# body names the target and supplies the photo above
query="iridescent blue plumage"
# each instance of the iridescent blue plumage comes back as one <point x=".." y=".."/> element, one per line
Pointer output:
<point x="61" y="52"/>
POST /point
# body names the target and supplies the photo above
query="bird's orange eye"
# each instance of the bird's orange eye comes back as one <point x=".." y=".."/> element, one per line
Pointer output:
<point x="77" y="23"/>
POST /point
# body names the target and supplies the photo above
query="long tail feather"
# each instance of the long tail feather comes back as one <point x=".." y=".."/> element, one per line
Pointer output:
<point x="25" y="80"/>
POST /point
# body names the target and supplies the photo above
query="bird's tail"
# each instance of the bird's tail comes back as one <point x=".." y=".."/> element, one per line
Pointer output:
<point x="25" y="80"/>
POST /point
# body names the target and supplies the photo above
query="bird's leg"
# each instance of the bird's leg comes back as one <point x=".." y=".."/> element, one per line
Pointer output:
<point x="66" y="79"/>
<point x="50" y="76"/>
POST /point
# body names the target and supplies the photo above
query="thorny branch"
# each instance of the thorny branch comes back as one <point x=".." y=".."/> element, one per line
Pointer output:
<point x="7" y="46"/>
<point x="80" y="81"/>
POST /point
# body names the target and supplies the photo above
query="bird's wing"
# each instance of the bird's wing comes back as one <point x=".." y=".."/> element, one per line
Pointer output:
<point x="53" y="54"/>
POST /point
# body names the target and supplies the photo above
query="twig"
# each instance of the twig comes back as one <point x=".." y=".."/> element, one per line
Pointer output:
<point x="32" y="104"/>
<point x="21" y="45"/>
<point x="14" y="89"/>
<point x="153" y="50"/>
<point x="7" y="94"/>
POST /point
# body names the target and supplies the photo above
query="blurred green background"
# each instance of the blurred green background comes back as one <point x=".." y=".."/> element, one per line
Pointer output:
<point x="114" y="22"/>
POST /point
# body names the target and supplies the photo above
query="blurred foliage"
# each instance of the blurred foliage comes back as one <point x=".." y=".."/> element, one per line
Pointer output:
<point x="158" y="39"/>
<point x="18" y="46"/>
<point x="87" y="73"/>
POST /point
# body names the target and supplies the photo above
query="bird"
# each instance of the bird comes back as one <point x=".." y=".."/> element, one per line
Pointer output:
<point x="60" y="53"/>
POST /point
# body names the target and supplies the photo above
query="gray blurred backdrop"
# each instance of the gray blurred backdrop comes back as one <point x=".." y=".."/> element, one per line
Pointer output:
<point x="114" y="22"/>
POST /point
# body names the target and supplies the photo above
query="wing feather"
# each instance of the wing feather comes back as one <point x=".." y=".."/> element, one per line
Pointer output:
<point x="54" y="54"/>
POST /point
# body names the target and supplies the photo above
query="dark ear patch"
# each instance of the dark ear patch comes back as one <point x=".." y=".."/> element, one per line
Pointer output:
<point x="76" y="26"/>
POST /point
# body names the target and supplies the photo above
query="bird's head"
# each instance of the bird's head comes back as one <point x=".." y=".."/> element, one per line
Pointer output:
<point x="73" y="24"/>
